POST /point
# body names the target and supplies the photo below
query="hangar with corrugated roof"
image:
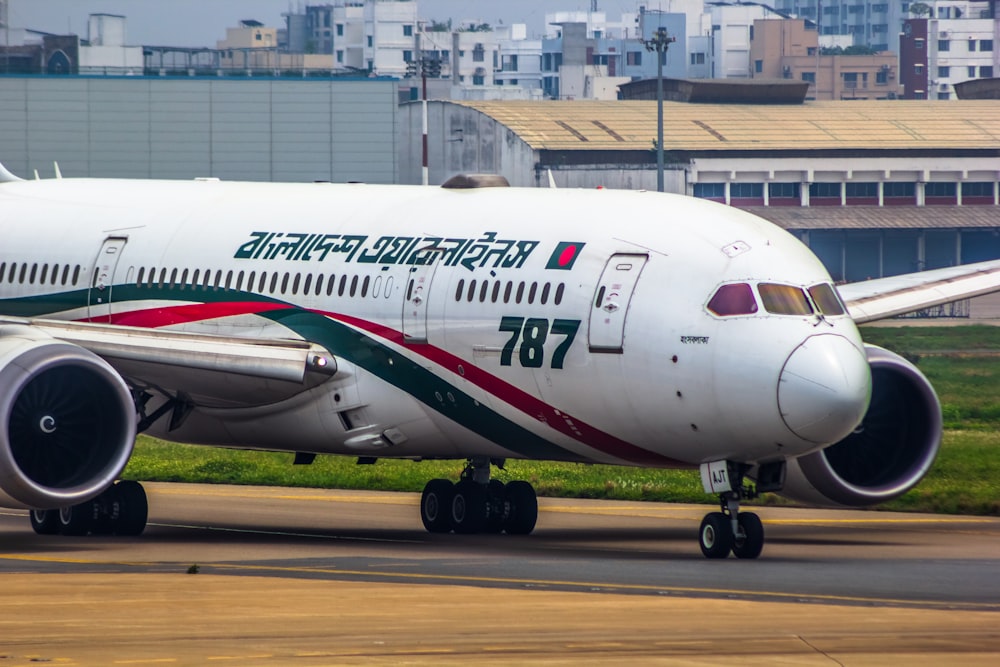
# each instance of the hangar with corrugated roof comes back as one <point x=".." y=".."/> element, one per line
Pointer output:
<point x="875" y="188"/>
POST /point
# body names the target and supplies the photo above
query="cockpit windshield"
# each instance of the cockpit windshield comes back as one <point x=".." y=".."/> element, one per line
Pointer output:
<point x="826" y="299"/>
<point x="784" y="299"/>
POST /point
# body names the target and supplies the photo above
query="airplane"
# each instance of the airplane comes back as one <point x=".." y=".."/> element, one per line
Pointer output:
<point x="468" y="321"/>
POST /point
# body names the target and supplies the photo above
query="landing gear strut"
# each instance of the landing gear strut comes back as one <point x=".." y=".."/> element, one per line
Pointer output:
<point x="121" y="510"/>
<point x="730" y="530"/>
<point x="478" y="504"/>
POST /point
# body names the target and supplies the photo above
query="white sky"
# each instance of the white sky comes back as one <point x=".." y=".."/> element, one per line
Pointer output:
<point x="203" y="22"/>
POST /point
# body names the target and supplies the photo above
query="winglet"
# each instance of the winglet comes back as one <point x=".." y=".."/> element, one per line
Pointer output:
<point x="58" y="172"/>
<point x="6" y="176"/>
<point x="552" y="181"/>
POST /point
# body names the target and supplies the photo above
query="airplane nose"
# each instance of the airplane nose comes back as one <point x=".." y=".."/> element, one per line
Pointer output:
<point x="824" y="388"/>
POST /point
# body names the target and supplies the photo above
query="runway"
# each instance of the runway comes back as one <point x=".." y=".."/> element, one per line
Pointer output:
<point x="338" y="577"/>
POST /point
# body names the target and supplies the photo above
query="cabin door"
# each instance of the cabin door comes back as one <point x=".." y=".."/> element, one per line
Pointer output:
<point x="611" y="301"/>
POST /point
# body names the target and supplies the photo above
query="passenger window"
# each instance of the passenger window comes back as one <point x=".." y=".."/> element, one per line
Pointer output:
<point x="284" y="283"/>
<point x="184" y="278"/>
<point x="496" y="292"/>
<point x="34" y="272"/>
<point x="532" y="292"/>
<point x="520" y="293"/>
<point x="319" y="284"/>
<point x="55" y="274"/>
<point x="239" y="281"/>
<point x="295" y="283"/>
<point x="460" y="290"/>
<point x="76" y="274"/>
<point x="784" y="299"/>
<point x="826" y="299"/>
<point x="307" y="285"/>
<point x="45" y="274"/>
<point x="507" y="290"/>
<point x="194" y="278"/>
<point x="735" y="299"/>
<point x="483" y="291"/>
<point x="472" y="291"/>
<point x="545" y="293"/>
<point x="138" y="280"/>
<point x="343" y="284"/>
<point x="559" y="293"/>
<point x="364" y="286"/>
<point x="274" y="282"/>
<point x="330" y="283"/>
<point x="354" y="285"/>
<point x="65" y="275"/>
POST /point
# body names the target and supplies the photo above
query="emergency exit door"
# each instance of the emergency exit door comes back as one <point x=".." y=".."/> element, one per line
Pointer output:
<point x="103" y="278"/>
<point x="609" y="309"/>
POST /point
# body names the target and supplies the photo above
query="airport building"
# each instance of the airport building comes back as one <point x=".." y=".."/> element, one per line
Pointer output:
<point x="875" y="188"/>
<point x="257" y="129"/>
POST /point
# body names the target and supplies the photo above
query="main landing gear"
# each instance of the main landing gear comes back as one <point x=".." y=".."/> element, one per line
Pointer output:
<point x="742" y="533"/>
<point x="478" y="504"/>
<point x="121" y="510"/>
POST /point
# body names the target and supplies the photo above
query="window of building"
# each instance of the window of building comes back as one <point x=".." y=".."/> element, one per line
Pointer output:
<point x="746" y="190"/>
<point x="977" y="189"/>
<point x="783" y="191"/>
<point x="944" y="45"/>
<point x="861" y="190"/>
<point x="986" y="72"/>
<point x="407" y="31"/>
<point x="697" y="58"/>
<point x="369" y="41"/>
<point x="939" y="189"/>
<point x="918" y="70"/>
<point x="478" y="54"/>
<point x="632" y="58"/>
<point x="340" y="30"/>
<point x="880" y="8"/>
<point x="407" y="56"/>
<point x="880" y="27"/>
<point x="918" y="43"/>
<point x="986" y="45"/>
<point x="758" y="66"/>
<point x="882" y="77"/>
<point x="944" y="72"/>
<point x="971" y="71"/>
<point x="715" y="191"/>
<point x="340" y="56"/>
<point x="944" y="96"/>
<point x="810" y="77"/>
<point x="972" y="45"/>
<point x="898" y="189"/>
<point x="824" y="190"/>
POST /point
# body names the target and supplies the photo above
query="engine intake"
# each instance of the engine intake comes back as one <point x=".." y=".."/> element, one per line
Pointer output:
<point x="890" y="451"/>
<point x="67" y="421"/>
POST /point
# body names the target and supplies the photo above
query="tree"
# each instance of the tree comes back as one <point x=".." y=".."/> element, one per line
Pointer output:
<point x="920" y="9"/>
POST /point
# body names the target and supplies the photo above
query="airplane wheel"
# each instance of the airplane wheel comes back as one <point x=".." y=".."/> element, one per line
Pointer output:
<point x="752" y="543"/>
<point x="77" y="519"/>
<point x="45" y="522"/>
<point x="468" y="507"/>
<point x="716" y="535"/>
<point x="523" y="511"/>
<point x="435" y="505"/>
<point x="133" y="508"/>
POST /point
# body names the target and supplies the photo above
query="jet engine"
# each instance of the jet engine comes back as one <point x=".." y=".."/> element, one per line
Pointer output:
<point x="67" y="421"/>
<point x="887" y="454"/>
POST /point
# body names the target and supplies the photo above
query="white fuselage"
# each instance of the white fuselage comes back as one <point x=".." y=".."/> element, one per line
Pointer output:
<point x="493" y="322"/>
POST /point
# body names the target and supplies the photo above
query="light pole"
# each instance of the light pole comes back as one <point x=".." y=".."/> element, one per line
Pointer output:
<point x="425" y="66"/>
<point x="659" y="43"/>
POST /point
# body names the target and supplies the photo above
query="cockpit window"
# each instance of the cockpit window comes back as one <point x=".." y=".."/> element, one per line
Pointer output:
<point x="784" y="299"/>
<point x="735" y="299"/>
<point x="826" y="299"/>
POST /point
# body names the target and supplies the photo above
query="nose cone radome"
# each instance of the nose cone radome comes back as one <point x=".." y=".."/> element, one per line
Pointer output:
<point x="824" y="388"/>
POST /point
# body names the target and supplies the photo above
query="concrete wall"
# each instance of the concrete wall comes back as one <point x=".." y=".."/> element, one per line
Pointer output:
<point x="248" y="129"/>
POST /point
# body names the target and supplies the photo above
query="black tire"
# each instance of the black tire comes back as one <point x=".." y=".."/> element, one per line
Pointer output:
<point x="133" y="509"/>
<point x="77" y="519"/>
<point x="435" y="505"/>
<point x="716" y="535"/>
<point x="752" y="543"/>
<point x="522" y="512"/>
<point x="45" y="522"/>
<point x="469" y="507"/>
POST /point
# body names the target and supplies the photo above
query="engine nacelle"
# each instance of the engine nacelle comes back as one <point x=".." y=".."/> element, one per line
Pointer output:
<point x="887" y="454"/>
<point x="67" y="421"/>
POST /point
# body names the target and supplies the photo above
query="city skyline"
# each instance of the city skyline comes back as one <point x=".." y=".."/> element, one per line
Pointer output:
<point x="202" y="23"/>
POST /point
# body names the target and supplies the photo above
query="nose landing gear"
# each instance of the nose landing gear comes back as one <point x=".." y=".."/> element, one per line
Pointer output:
<point x="730" y="530"/>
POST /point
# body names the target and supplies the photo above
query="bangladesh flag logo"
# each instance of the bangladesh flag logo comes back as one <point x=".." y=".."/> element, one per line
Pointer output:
<point x="564" y="256"/>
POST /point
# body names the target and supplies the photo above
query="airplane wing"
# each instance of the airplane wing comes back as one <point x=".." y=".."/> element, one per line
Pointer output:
<point x="216" y="371"/>
<point x="886" y="297"/>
